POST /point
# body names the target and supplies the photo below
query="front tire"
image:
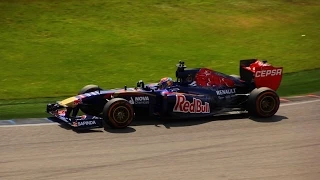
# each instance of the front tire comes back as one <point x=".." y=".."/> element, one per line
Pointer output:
<point x="89" y="88"/>
<point x="118" y="113"/>
<point x="91" y="109"/>
<point x="263" y="102"/>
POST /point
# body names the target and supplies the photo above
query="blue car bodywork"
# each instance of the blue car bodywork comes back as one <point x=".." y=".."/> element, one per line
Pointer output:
<point x="194" y="94"/>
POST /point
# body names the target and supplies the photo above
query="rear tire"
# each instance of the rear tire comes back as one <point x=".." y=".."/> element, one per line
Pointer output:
<point x="263" y="102"/>
<point x="118" y="113"/>
<point x="91" y="110"/>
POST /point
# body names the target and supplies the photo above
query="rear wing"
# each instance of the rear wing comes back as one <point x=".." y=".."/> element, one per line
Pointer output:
<point x="261" y="73"/>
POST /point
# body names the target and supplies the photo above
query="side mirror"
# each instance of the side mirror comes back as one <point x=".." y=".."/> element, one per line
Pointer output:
<point x="140" y="84"/>
<point x="180" y="69"/>
<point x="181" y="66"/>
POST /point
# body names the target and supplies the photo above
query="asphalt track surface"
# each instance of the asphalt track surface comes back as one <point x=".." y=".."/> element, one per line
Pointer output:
<point x="229" y="147"/>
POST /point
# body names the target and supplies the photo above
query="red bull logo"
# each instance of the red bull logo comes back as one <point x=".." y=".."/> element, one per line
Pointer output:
<point x="185" y="106"/>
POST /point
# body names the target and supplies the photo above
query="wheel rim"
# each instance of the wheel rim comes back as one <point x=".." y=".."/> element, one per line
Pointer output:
<point x="121" y="114"/>
<point x="267" y="104"/>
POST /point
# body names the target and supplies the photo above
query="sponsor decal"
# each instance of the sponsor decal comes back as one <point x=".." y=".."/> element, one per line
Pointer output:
<point x="75" y="124"/>
<point x="139" y="100"/>
<point x="189" y="79"/>
<point x="185" y="106"/>
<point x="77" y="102"/>
<point x="86" y="123"/>
<point x="226" y="97"/>
<point x="81" y="96"/>
<point x="131" y="101"/>
<point x="62" y="112"/>
<point x="226" y="91"/>
<point x="94" y="93"/>
<point x="83" y="116"/>
<point x="95" y="117"/>
<point x="269" y="72"/>
<point x="193" y="83"/>
<point x="91" y="94"/>
<point x="221" y="97"/>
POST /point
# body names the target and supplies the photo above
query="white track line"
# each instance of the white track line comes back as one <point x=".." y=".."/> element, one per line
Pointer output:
<point x="28" y="125"/>
<point x="54" y="123"/>
<point x="298" y="103"/>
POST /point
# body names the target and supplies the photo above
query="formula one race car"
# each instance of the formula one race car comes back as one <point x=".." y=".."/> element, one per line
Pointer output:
<point x="197" y="92"/>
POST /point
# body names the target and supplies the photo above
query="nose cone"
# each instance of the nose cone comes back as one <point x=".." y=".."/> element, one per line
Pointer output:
<point x="69" y="102"/>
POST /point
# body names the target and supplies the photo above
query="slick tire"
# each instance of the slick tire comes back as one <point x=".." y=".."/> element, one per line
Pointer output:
<point x="118" y="113"/>
<point x="89" y="88"/>
<point x="263" y="102"/>
<point x="92" y="110"/>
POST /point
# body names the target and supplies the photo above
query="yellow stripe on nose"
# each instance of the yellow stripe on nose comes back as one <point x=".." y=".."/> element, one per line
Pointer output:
<point x="69" y="102"/>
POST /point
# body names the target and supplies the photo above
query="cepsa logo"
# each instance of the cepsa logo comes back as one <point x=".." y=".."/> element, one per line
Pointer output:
<point x="269" y="72"/>
<point x="196" y="106"/>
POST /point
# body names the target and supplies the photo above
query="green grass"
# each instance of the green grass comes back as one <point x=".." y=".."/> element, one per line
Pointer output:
<point x="300" y="83"/>
<point x="53" y="48"/>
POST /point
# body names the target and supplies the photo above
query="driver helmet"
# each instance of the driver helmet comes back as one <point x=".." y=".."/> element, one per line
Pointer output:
<point x="165" y="83"/>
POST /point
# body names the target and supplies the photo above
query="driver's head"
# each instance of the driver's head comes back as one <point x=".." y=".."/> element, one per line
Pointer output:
<point x="165" y="83"/>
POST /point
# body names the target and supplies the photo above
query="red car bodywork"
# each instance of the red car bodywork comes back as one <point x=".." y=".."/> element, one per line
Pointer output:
<point x="263" y="75"/>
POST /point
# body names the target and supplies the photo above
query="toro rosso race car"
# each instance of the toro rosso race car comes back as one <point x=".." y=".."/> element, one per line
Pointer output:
<point x="196" y="92"/>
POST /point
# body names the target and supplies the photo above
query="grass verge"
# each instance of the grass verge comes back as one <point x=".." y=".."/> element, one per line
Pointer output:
<point x="51" y="48"/>
<point x="300" y="83"/>
<point x="292" y="84"/>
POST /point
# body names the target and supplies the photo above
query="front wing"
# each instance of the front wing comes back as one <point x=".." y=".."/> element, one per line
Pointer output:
<point x="81" y="122"/>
